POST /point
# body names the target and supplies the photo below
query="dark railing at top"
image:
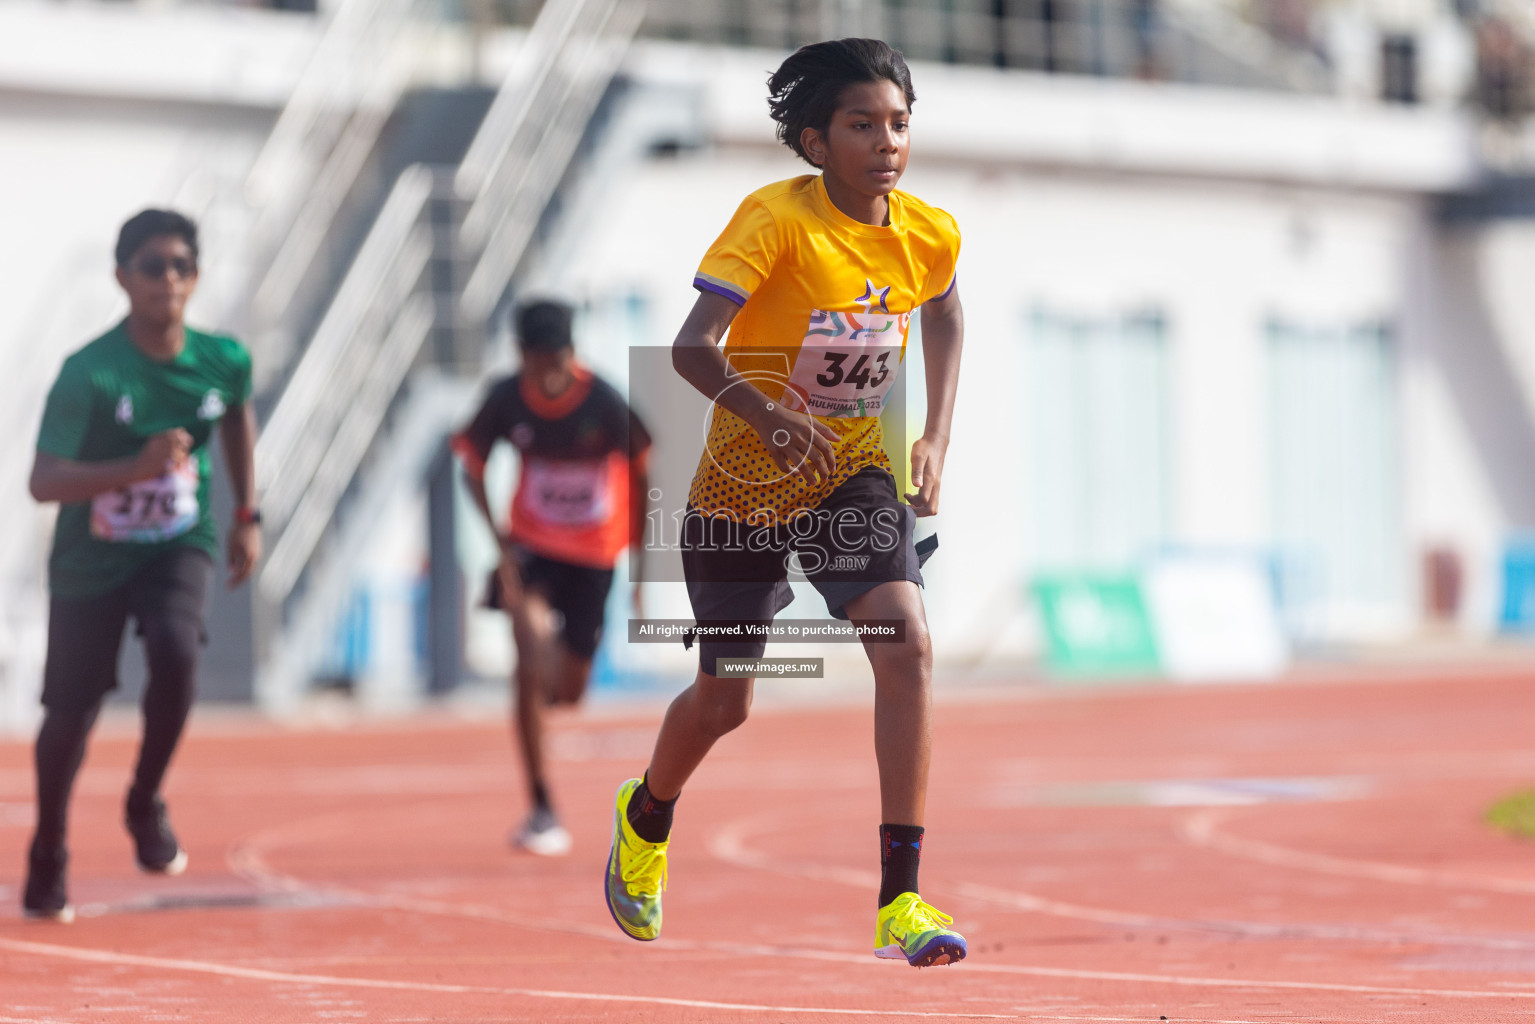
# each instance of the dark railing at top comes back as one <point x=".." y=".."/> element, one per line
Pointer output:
<point x="1146" y="39"/>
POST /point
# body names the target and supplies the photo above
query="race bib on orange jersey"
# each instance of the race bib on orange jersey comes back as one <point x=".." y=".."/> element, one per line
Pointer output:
<point x="848" y="362"/>
<point x="150" y="510"/>
<point x="567" y="492"/>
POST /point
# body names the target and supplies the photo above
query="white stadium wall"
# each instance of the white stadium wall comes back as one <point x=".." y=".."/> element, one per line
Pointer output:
<point x="1200" y="266"/>
<point x="1277" y="243"/>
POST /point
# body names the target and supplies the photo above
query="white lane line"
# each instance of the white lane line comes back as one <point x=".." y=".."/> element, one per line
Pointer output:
<point x="1029" y="903"/>
<point x="1142" y="1020"/>
<point x="248" y="860"/>
<point x="102" y="956"/>
<point x="1186" y="981"/>
<point x="729" y="845"/>
<point x="1194" y="981"/>
<point x="1202" y="829"/>
<point x="16" y="815"/>
<point x="259" y="974"/>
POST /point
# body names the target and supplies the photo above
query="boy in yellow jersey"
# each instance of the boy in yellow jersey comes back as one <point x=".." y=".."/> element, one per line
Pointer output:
<point x="816" y="279"/>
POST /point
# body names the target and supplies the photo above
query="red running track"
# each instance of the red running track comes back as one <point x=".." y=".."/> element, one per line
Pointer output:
<point x="1305" y="851"/>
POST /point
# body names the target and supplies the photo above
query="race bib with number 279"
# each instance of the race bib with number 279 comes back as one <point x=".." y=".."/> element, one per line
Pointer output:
<point x="150" y="510"/>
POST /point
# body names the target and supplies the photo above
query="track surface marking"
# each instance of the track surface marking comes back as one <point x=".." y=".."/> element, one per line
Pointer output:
<point x="361" y="874"/>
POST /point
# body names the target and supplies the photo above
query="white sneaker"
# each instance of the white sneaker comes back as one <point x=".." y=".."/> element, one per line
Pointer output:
<point x="543" y="835"/>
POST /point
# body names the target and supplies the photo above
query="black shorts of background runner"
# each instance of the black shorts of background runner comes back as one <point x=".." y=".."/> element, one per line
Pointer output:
<point x="167" y="599"/>
<point x="578" y="592"/>
<point x="838" y="554"/>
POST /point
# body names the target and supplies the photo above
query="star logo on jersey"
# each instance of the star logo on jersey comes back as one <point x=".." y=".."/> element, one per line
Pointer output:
<point x="873" y="298"/>
<point x="212" y="407"/>
<point x="125" y="410"/>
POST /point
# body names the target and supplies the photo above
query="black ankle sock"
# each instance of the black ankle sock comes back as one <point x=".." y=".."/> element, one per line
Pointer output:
<point x="137" y="802"/>
<point x="541" y="797"/>
<point x="650" y="818"/>
<point x="900" y="851"/>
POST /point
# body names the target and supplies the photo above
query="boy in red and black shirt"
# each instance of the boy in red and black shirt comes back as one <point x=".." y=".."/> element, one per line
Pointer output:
<point x="582" y="453"/>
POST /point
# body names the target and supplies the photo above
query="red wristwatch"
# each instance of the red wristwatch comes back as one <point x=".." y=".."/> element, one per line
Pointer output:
<point x="247" y="516"/>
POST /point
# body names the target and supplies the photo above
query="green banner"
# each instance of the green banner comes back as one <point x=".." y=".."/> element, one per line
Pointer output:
<point x="1096" y="624"/>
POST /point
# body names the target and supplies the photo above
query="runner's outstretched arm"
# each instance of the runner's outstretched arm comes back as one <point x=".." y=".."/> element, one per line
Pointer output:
<point x="943" y="334"/>
<point x="237" y="433"/>
<point x="59" y="479"/>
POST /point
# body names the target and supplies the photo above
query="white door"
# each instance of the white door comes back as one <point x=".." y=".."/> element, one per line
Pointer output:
<point x="1097" y="413"/>
<point x="1334" y="489"/>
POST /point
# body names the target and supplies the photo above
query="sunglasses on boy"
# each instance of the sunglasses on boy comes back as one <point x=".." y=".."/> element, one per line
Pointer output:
<point x="154" y="267"/>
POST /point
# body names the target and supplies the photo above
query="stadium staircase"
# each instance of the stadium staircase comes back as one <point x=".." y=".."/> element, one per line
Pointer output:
<point x="361" y="415"/>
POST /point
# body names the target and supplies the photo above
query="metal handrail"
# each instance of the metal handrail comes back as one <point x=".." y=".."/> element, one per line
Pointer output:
<point x="534" y="58"/>
<point x="331" y="123"/>
<point x="327" y="418"/>
<point x="312" y="120"/>
<point x="315" y="92"/>
<point x="538" y="146"/>
<point x="339" y="393"/>
<point x="1244" y="43"/>
<point x="379" y="381"/>
<point x="316" y="394"/>
<point x="1111" y="38"/>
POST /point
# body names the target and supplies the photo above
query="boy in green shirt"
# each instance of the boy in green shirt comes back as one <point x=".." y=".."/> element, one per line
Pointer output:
<point x="123" y="448"/>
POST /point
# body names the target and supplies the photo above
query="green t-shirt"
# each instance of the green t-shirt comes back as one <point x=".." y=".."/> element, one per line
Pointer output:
<point x="108" y="399"/>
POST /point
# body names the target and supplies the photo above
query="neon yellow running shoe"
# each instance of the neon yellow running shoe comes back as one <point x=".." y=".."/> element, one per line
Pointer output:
<point x="910" y="930"/>
<point x="636" y="875"/>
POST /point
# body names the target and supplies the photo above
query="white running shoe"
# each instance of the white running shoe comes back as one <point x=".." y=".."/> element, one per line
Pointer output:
<point x="543" y="835"/>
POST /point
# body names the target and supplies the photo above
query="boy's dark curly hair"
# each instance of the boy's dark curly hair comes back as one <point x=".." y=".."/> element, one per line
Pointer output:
<point x="804" y="91"/>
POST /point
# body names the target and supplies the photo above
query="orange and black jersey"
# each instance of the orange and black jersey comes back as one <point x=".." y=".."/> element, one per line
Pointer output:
<point x="578" y="452"/>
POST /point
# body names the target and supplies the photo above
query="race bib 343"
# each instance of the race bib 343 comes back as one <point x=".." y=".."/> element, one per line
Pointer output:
<point x="848" y="362"/>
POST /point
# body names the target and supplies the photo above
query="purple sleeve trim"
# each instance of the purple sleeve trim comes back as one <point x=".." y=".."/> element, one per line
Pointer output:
<point x="947" y="291"/>
<point x="710" y="286"/>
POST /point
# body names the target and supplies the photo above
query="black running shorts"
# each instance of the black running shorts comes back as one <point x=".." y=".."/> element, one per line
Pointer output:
<point x="578" y="592"/>
<point x="856" y="539"/>
<point x="167" y="598"/>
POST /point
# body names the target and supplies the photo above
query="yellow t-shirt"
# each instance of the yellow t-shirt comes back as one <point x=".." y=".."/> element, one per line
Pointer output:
<point x="826" y="304"/>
